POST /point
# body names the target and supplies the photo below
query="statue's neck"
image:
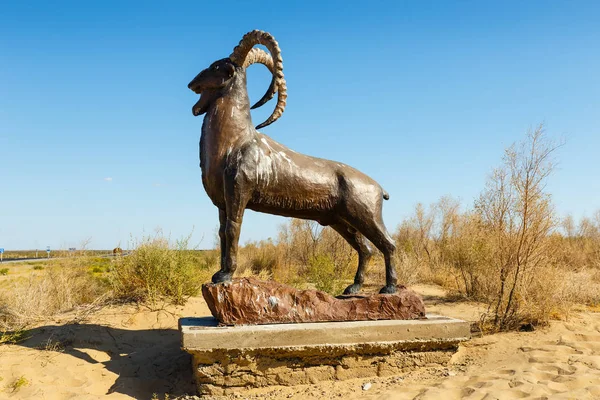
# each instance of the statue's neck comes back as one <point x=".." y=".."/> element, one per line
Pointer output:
<point x="228" y="118"/>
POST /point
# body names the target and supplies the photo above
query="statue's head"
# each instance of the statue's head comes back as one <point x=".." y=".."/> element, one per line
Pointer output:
<point x="217" y="80"/>
<point x="209" y="83"/>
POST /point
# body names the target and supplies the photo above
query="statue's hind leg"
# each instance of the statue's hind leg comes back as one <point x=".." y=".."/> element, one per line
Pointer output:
<point x="362" y="247"/>
<point x="374" y="230"/>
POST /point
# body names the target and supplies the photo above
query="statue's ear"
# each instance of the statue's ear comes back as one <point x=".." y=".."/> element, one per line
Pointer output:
<point x="229" y="69"/>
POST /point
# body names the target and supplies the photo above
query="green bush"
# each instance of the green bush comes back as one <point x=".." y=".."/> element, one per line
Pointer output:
<point x="157" y="270"/>
<point x="322" y="273"/>
<point x="12" y="337"/>
<point x="38" y="267"/>
<point x="4" y="271"/>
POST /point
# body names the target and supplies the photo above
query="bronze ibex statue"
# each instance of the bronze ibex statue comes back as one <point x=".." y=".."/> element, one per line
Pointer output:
<point x="243" y="168"/>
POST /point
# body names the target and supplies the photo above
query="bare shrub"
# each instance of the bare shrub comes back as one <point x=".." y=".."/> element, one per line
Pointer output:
<point x="464" y="251"/>
<point x="506" y="251"/>
<point x="579" y="245"/>
<point x="304" y="246"/>
<point x="579" y="287"/>
<point x="414" y="236"/>
<point x="408" y="269"/>
<point x="517" y="214"/>
<point x="262" y="257"/>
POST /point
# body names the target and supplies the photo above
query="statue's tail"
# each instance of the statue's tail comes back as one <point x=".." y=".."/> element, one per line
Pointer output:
<point x="386" y="195"/>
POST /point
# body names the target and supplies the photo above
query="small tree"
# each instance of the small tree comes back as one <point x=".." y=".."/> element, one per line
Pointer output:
<point x="518" y="213"/>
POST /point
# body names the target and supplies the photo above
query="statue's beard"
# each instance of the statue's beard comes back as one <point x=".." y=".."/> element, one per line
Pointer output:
<point x="201" y="105"/>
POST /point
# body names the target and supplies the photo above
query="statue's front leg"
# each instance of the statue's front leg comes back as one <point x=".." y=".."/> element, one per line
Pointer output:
<point x="221" y="275"/>
<point x="222" y="223"/>
<point x="236" y="199"/>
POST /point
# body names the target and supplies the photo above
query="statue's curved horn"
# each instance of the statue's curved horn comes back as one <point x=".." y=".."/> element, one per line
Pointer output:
<point x="259" y="56"/>
<point x="240" y="54"/>
<point x="262" y="57"/>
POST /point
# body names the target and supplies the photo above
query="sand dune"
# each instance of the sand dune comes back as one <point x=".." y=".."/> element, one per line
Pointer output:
<point x="125" y="352"/>
<point x="560" y="362"/>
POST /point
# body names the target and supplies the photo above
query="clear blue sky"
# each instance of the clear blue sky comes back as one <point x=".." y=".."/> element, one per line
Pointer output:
<point x="97" y="138"/>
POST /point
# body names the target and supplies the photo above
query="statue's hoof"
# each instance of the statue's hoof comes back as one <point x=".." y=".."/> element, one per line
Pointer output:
<point x="221" y="276"/>
<point x="353" y="289"/>
<point x="388" y="289"/>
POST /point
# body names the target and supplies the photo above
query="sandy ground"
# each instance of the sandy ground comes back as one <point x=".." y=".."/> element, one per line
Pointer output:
<point x="124" y="352"/>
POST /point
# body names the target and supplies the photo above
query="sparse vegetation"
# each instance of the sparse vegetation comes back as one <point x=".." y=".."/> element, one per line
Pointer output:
<point x="12" y="337"/>
<point x="52" y="345"/>
<point x="509" y="250"/>
<point x="57" y="289"/>
<point x="304" y="255"/>
<point x="155" y="270"/>
<point x="18" y="383"/>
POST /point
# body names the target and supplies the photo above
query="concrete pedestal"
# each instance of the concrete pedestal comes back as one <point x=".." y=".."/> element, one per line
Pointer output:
<point x="227" y="359"/>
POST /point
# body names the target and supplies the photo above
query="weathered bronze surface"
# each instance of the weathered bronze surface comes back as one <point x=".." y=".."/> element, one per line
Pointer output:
<point x="249" y="301"/>
<point x="243" y="168"/>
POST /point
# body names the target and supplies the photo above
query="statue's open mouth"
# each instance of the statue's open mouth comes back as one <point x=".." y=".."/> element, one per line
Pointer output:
<point x="196" y="88"/>
<point x="198" y="108"/>
<point x="202" y="104"/>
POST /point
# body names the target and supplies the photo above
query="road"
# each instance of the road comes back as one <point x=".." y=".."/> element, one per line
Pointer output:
<point x="18" y="260"/>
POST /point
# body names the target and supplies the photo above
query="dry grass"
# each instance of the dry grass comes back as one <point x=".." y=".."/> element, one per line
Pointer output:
<point x="40" y="295"/>
<point x="155" y="271"/>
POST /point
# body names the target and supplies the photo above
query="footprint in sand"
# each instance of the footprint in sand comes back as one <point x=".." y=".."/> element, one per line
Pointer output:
<point x="563" y="378"/>
<point x="507" y="372"/>
<point x="556" y="347"/>
<point x="541" y="360"/>
<point x="481" y="385"/>
<point x="587" y="338"/>
<point x="592" y="362"/>
<point x="566" y="370"/>
<point x="544" y="376"/>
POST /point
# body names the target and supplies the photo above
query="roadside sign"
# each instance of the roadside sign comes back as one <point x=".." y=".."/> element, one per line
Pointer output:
<point x="1" y="252"/>
<point x="48" y="251"/>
